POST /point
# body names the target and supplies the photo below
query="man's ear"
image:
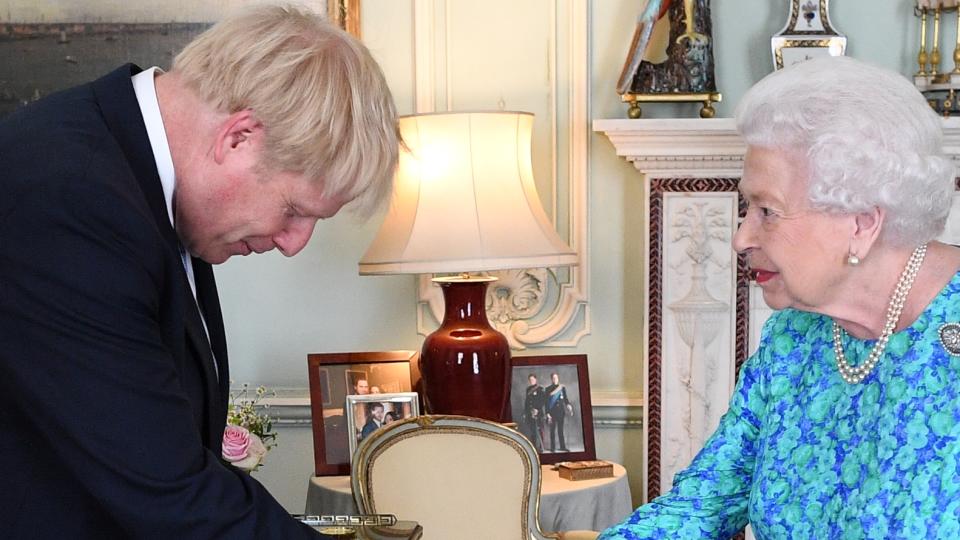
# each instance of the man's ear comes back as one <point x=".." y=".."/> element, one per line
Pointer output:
<point x="867" y="226"/>
<point x="236" y="132"/>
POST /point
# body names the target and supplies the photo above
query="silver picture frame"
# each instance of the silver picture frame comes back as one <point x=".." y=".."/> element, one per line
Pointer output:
<point x="377" y="410"/>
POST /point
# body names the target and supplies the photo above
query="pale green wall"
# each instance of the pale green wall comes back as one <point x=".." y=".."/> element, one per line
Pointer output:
<point x="277" y="310"/>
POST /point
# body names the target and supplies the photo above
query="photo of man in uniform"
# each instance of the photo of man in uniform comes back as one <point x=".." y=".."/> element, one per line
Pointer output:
<point x="558" y="406"/>
<point x="533" y="413"/>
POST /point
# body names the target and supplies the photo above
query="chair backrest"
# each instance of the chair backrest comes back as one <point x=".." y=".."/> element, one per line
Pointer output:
<point x="459" y="477"/>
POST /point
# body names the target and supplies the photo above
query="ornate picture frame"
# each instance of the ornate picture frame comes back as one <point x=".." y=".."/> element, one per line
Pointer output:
<point x="334" y="376"/>
<point x="559" y="410"/>
<point x="346" y="14"/>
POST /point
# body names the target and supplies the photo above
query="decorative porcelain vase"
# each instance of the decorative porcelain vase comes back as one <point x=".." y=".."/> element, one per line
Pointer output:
<point x="465" y="363"/>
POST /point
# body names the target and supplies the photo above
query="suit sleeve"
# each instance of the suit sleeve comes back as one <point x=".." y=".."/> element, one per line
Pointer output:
<point x="82" y="282"/>
<point x="709" y="498"/>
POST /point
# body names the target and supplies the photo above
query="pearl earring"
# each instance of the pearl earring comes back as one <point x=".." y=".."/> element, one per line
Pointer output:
<point x="853" y="260"/>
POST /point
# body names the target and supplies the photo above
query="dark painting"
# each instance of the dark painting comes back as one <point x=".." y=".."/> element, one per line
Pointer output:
<point x="41" y="58"/>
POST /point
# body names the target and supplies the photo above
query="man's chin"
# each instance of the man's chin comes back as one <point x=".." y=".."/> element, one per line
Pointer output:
<point x="220" y="254"/>
<point x="216" y="257"/>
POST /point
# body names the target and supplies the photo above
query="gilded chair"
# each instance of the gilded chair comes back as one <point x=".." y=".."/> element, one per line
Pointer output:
<point x="461" y="478"/>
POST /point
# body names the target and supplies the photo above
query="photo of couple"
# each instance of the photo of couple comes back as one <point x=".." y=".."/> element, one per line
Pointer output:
<point x="376" y="414"/>
<point x="370" y="412"/>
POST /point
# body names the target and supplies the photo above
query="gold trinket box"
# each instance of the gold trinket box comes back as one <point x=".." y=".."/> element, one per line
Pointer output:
<point x="585" y="470"/>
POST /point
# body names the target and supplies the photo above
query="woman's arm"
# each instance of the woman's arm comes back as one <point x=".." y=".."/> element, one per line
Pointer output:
<point x="709" y="498"/>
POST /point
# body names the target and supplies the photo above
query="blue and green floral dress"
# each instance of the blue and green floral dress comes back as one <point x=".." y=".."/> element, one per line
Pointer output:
<point x="803" y="454"/>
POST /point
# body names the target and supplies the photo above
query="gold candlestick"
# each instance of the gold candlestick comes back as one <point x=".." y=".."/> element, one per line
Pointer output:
<point x="935" y="53"/>
<point x="922" y="56"/>
<point x="956" y="48"/>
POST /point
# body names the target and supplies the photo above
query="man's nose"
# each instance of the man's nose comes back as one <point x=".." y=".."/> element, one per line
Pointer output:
<point x="295" y="236"/>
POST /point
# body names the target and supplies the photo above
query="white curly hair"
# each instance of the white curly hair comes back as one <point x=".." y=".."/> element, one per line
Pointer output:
<point x="870" y="139"/>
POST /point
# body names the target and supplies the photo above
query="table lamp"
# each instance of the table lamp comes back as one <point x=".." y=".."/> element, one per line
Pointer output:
<point x="464" y="201"/>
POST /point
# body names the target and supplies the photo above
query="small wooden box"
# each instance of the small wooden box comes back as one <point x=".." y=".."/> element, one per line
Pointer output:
<point x="585" y="470"/>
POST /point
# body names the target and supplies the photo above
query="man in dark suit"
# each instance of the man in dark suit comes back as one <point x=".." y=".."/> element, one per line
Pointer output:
<point x="374" y="420"/>
<point x="116" y="198"/>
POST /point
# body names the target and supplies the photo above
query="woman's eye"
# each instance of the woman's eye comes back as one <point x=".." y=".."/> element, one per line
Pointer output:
<point x="765" y="212"/>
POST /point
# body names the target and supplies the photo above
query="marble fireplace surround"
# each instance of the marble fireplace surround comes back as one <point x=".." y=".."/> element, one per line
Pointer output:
<point x="702" y="316"/>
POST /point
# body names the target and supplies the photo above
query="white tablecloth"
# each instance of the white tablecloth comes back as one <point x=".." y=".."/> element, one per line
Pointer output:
<point x="564" y="505"/>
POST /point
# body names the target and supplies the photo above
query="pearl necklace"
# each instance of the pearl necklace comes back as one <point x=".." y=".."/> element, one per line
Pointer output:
<point x="855" y="374"/>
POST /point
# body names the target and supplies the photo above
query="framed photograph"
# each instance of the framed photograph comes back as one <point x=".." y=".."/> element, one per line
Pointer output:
<point x="349" y="373"/>
<point x="371" y="411"/>
<point x="57" y="44"/>
<point x="550" y="402"/>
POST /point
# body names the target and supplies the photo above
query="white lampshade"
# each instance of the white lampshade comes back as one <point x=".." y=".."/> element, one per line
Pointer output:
<point x="465" y="200"/>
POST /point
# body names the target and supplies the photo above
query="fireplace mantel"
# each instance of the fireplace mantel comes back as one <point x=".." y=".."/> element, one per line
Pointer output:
<point x="700" y="147"/>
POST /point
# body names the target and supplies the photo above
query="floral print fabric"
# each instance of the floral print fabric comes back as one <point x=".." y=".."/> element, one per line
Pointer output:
<point x="802" y="454"/>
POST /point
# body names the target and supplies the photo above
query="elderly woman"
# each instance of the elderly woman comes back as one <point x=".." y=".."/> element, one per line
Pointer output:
<point x="845" y="423"/>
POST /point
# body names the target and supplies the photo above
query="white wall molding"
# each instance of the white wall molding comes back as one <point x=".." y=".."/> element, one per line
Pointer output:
<point x="611" y="410"/>
<point x="677" y="146"/>
<point x="701" y="147"/>
<point x="560" y="316"/>
<point x="424" y="50"/>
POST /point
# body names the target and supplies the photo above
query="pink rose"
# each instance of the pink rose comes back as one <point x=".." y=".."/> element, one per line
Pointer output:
<point x="242" y="448"/>
<point x="236" y="441"/>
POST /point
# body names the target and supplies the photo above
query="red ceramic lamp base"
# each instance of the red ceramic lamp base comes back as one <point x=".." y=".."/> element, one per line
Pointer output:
<point x="465" y="363"/>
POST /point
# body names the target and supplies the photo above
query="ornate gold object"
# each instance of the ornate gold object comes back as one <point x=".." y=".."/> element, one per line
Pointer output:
<point x="935" y="53"/>
<point x="346" y="14"/>
<point x="585" y="470"/>
<point x="670" y="57"/>
<point x="922" y="56"/>
<point x="343" y="532"/>
<point x="424" y="421"/>
<point x="938" y="85"/>
<point x="706" y="110"/>
<point x="956" y="50"/>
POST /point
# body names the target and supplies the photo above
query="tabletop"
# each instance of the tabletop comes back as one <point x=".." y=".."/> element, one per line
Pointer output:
<point x="565" y="505"/>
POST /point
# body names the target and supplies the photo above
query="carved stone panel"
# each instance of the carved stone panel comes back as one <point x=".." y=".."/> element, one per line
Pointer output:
<point x="697" y="309"/>
<point x="697" y="318"/>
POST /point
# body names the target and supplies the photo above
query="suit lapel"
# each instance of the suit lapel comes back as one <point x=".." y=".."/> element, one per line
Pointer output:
<point x="121" y="112"/>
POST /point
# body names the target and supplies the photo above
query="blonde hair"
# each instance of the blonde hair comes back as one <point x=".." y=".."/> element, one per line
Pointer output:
<point x="321" y="97"/>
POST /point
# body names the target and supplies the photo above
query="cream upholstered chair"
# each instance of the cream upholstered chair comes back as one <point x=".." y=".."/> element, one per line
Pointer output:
<point x="461" y="478"/>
